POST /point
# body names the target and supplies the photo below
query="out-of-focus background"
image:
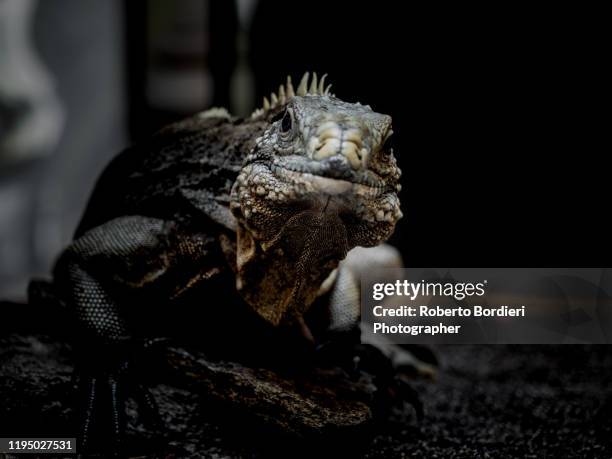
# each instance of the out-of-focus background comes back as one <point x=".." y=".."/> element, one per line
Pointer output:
<point x="495" y="111"/>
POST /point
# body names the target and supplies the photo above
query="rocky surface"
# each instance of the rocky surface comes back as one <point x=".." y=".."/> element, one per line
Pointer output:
<point x="209" y="408"/>
<point x="510" y="401"/>
<point x="489" y="401"/>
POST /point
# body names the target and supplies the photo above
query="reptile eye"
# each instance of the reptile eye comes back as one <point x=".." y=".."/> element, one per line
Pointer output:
<point x="286" y="122"/>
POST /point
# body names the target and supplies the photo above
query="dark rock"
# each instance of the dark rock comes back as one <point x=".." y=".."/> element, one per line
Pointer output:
<point x="207" y="407"/>
<point x="312" y="404"/>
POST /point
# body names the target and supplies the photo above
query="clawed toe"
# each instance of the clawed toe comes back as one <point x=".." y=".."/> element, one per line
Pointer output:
<point x="409" y="395"/>
<point x="102" y="408"/>
<point x="395" y="393"/>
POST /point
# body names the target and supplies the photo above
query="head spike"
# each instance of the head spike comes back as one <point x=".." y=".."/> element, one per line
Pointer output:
<point x="313" y="84"/>
<point x="321" y="89"/>
<point x="290" y="91"/>
<point x="303" y="86"/>
<point x="286" y="91"/>
<point x="281" y="94"/>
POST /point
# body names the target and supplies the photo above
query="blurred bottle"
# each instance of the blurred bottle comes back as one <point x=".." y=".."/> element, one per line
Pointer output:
<point x="168" y="48"/>
<point x="186" y="56"/>
<point x="31" y="116"/>
<point x="178" y="78"/>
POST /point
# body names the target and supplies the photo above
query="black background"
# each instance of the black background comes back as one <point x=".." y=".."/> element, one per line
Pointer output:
<point x="498" y="111"/>
<point x="498" y="119"/>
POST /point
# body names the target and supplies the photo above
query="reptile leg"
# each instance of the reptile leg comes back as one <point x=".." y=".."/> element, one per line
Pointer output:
<point x="356" y="348"/>
<point x="345" y="350"/>
<point x="105" y="375"/>
<point x="91" y="275"/>
<point x="345" y="310"/>
<point x="393" y="389"/>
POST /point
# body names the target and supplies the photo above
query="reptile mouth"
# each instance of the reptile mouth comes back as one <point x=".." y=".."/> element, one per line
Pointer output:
<point x="332" y="176"/>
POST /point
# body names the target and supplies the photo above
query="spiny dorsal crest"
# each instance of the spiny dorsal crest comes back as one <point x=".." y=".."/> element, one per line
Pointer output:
<point x="307" y="85"/>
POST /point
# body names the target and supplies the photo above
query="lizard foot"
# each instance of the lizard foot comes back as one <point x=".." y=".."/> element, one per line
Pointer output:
<point x="390" y="379"/>
<point x="102" y="393"/>
<point x="390" y="374"/>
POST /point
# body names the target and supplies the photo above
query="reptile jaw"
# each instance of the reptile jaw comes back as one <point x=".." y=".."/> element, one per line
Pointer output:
<point x="335" y="169"/>
<point x="266" y="196"/>
<point x="329" y="185"/>
<point x="320" y="184"/>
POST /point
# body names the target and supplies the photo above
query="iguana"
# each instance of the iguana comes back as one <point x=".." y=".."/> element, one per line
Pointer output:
<point x="244" y="221"/>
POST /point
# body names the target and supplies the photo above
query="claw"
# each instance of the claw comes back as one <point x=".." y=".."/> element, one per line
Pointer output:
<point x="89" y="392"/>
<point x="410" y="360"/>
<point x="410" y="395"/>
<point x="117" y="415"/>
<point x="147" y="402"/>
<point x="417" y="369"/>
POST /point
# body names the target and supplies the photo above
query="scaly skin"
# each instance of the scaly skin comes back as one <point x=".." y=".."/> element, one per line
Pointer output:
<point x="320" y="180"/>
<point x="266" y="207"/>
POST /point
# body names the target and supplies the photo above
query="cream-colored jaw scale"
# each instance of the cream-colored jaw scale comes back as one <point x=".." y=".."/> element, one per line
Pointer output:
<point x="330" y="186"/>
<point x="331" y="139"/>
<point x="286" y="92"/>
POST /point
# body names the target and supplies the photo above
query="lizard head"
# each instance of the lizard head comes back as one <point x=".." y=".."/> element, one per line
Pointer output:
<point x="319" y="155"/>
<point x="320" y="179"/>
